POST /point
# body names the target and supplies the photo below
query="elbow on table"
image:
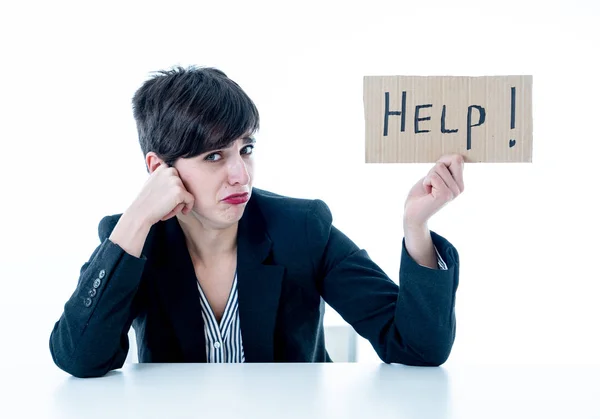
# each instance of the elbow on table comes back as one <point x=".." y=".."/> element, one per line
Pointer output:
<point x="434" y="355"/>
<point x="429" y="360"/>
<point x="77" y="367"/>
<point x="436" y="359"/>
<point x="79" y="372"/>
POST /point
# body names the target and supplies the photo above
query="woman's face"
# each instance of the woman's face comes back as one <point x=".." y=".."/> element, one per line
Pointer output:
<point x="216" y="175"/>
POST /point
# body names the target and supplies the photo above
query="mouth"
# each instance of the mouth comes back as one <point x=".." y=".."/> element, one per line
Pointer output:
<point x="238" y="198"/>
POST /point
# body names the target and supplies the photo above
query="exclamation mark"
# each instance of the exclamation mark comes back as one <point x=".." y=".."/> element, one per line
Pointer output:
<point x="513" y="91"/>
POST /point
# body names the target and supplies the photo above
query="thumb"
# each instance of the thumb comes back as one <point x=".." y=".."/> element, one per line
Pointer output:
<point x="427" y="183"/>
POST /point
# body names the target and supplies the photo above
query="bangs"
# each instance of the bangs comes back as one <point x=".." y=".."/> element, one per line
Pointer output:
<point x="184" y="113"/>
<point x="208" y="125"/>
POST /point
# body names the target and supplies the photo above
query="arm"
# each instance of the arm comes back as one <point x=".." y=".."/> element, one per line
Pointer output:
<point x="412" y="324"/>
<point x="90" y="338"/>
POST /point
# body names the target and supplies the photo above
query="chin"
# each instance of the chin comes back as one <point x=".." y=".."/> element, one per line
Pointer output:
<point x="222" y="219"/>
<point x="233" y="215"/>
<point x="219" y="218"/>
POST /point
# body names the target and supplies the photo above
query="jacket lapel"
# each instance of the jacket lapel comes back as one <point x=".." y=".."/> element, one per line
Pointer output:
<point x="259" y="286"/>
<point x="177" y="285"/>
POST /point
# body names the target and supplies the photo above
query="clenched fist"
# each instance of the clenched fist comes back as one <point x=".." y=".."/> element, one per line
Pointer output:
<point x="442" y="184"/>
<point x="162" y="197"/>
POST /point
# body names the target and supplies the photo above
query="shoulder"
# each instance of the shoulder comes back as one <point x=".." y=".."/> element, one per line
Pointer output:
<point x="300" y="229"/>
<point x="303" y="229"/>
<point x="280" y="208"/>
<point x="294" y="224"/>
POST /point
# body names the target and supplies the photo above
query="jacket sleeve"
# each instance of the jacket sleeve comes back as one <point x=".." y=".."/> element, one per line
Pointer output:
<point x="90" y="338"/>
<point x="412" y="323"/>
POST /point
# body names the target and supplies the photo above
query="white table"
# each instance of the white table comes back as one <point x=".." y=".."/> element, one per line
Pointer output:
<point x="311" y="391"/>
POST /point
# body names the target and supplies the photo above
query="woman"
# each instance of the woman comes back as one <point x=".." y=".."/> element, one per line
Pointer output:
<point x="209" y="269"/>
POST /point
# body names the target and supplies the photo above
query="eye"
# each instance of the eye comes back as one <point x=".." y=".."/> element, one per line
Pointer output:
<point x="248" y="149"/>
<point x="213" y="157"/>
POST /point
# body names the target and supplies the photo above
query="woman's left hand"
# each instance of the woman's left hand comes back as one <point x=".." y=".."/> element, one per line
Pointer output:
<point x="443" y="183"/>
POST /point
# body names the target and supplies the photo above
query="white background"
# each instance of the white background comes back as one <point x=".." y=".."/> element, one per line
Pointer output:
<point x="527" y="234"/>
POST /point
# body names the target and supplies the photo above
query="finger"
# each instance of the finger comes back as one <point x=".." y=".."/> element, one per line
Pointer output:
<point x="427" y="183"/>
<point x="442" y="170"/>
<point x="187" y="208"/>
<point x="168" y="216"/>
<point x="188" y="201"/>
<point x="160" y="168"/>
<point x="173" y="212"/>
<point x="456" y="164"/>
<point x="442" y="192"/>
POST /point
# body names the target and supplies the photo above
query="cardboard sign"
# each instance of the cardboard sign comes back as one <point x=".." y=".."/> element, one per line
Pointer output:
<point x="417" y="119"/>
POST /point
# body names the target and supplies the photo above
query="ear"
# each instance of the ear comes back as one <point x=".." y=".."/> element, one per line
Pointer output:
<point x="153" y="161"/>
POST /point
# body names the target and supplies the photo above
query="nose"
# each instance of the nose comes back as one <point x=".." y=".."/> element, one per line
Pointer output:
<point x="238" y="172"/>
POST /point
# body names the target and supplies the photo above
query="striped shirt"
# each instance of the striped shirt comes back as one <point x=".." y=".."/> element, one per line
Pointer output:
<point x="224" y="339"/>
<point x="440" y="261"/>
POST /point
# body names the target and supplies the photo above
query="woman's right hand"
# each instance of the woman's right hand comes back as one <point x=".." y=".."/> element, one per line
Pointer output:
<point x="162" y="197"/>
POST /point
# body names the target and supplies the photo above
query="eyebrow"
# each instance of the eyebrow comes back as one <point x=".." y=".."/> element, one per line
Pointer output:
<point x="246" y="141"/>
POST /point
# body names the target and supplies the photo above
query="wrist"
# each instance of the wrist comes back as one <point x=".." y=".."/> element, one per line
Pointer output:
<point x="130" y="234"/>
<point x="415" y="228"/>
<point x="419" y="244"/>
<point x="135" y="220"/>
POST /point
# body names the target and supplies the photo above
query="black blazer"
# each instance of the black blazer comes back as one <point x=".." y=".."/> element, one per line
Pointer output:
<point x="290" y="260"/>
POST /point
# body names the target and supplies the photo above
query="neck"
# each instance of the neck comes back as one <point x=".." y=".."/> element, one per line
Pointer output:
<point x="207" y="244"/>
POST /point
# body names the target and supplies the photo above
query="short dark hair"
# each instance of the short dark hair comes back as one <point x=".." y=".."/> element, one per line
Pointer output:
<point x="184" y="112"/>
